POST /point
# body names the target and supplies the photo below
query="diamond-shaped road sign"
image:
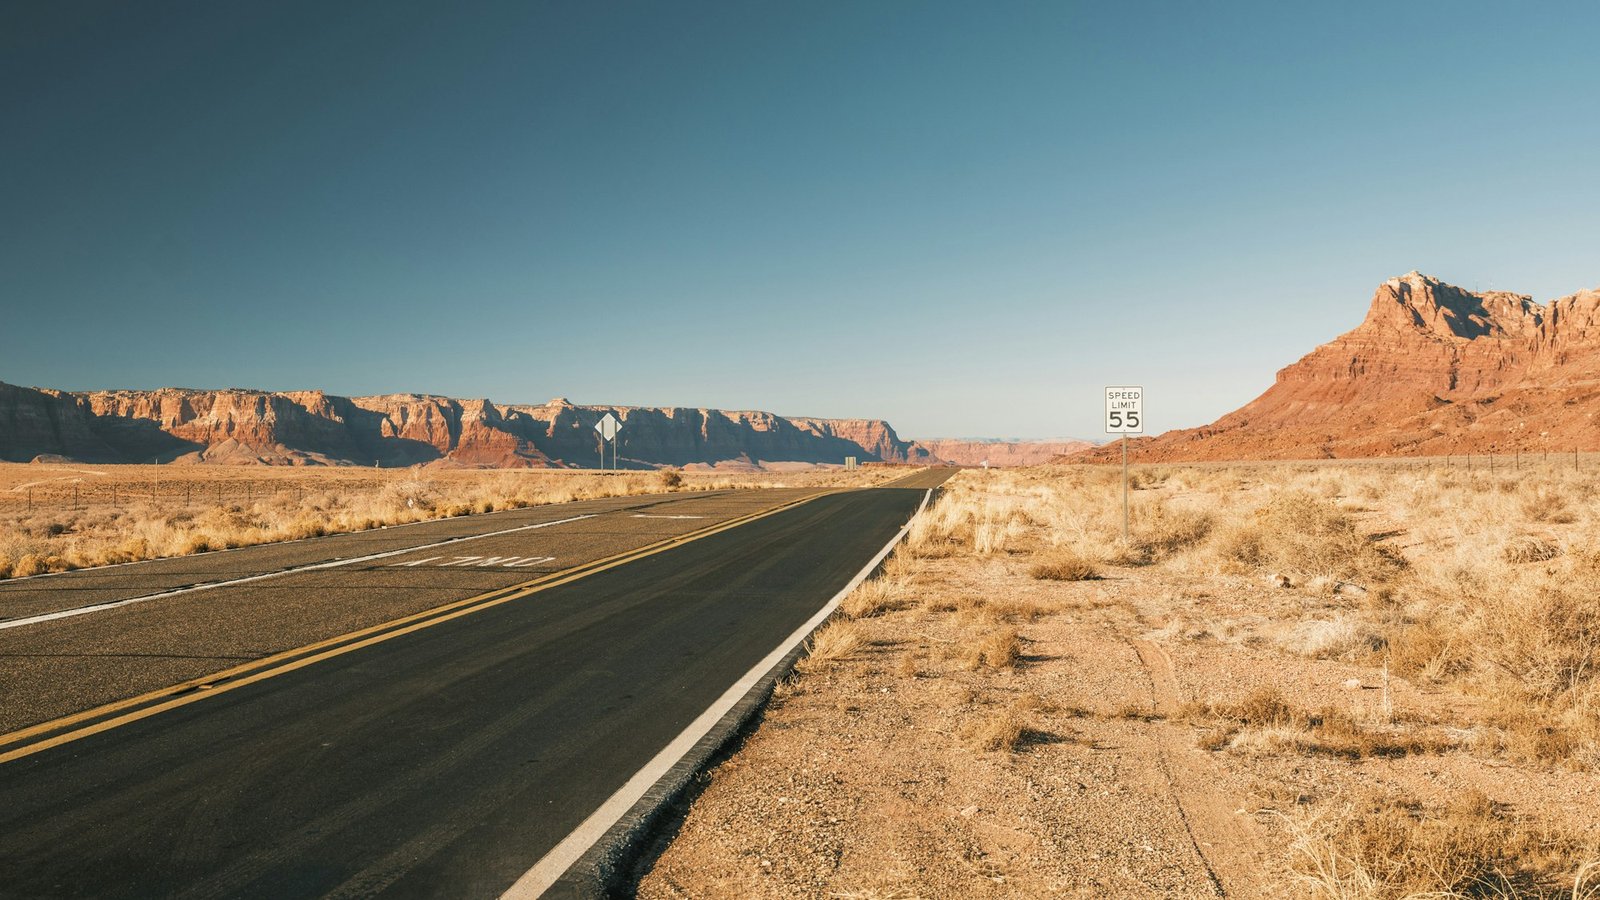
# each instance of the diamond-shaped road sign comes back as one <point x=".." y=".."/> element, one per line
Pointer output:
<point x="608" y="426"/>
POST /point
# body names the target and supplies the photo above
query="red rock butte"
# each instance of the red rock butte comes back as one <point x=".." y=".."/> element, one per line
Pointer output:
<point x="1432" y="370"/>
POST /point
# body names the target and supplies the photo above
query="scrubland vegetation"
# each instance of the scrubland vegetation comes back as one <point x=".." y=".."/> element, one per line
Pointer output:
<point x="54" y="519"/>
<point x="1477" y="592"/>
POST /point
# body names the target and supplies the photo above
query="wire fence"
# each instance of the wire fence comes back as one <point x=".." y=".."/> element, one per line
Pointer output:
<point x="176" y="494"/>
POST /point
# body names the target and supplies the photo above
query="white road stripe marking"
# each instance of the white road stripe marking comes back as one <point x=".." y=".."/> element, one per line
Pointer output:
<point x="85" y="610"/>
<point x="554" y="864"/>
<point x="643" y="516"/>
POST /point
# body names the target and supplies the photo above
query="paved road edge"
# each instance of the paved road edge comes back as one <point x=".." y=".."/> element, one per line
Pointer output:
<point x="590" y="860"/>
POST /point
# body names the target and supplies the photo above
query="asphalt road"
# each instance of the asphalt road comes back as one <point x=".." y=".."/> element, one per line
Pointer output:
<point x="26" y="597"/>
<point x="302" y="593"/>
<point x="442" y="761"/>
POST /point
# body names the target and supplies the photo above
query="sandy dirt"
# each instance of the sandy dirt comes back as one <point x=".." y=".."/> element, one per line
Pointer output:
<point x="867" y="779"/>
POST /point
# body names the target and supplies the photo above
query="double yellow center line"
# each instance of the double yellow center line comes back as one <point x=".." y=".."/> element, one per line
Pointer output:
<point x="56" y="732"/>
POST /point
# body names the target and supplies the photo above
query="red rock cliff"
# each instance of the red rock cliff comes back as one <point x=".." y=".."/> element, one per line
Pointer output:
<point x="1433" y="369"/>
<point x="961" y="452"/>
<point x="312" y="427"/>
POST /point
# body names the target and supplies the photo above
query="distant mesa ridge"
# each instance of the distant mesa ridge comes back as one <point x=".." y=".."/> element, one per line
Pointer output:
<point x="1434" y="369"/>
<point x="238" y="426"/>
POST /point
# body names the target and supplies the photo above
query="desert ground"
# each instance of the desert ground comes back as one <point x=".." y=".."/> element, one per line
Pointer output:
<point x="1330" y="680"/>
<point x="59" y="517"/>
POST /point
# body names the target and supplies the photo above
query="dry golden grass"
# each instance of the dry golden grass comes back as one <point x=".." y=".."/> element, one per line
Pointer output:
<point x="54" y="518"/>
<point x="1482" y="582"/>
<point x="1380" y="847"/>
<point x="1264" y="722"/>
<point x="1064" y="566"/>
<point x="1000" y="648"/>
<point x="997" y="732"/>
<point x="835" y="640"/>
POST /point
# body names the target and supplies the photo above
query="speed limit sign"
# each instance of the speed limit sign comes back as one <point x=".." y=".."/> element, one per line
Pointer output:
<point x="1124" y="410"/>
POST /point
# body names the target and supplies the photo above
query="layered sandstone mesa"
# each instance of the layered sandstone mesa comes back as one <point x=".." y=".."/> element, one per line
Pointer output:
<point x="689" y="436"/>
<point x="1433" y="369"/>
<point x="873" y="437"/>
<point x="316" y="428"/>
<point x="417" y="428"/>
<point x="998" y="453"/>
<point x="35" y="423"/>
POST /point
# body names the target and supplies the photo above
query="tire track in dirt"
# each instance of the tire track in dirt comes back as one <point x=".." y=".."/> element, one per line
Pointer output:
<point x="1225" y="841"/>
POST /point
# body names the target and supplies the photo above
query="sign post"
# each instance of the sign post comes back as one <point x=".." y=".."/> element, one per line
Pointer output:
<point x="608" y="427"/>
<point x="1124" y="416"/>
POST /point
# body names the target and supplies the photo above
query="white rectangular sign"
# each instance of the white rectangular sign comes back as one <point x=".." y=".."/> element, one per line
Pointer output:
<point x="1124" y="409"/>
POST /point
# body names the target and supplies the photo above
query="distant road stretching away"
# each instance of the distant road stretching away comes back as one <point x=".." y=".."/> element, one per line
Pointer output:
<point x="423" y="718"/>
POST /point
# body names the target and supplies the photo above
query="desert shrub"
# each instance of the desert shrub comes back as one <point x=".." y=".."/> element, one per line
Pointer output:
<point x="836" y="640"/>
<point x="1264" y="721"/>
<point x="1341" y="637"/>
<point x="1309" y="537"/>
<point x="1429" y="649"/>
<point x="1380" y="847"/>
<point x="1158" y="530"/>
<point x="1065" y="566"/>
<point x="671" y="479"/>
<point x="872" y="598"/>
<point x="29" y="564"/>
<point x="1000" y="731"/>
<point x="1528" y="549"/>
<point x="1545" y="636"/>
<point x="997" y="649"/>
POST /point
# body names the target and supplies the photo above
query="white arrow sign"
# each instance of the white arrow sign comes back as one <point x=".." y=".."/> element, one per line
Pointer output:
<point x="608" y="426"/>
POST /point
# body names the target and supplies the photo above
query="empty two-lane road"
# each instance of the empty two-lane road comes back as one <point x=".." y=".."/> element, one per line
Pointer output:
<point x="442" y="761"/>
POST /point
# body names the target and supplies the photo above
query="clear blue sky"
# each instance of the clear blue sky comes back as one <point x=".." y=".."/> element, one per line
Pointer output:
<point x="962" y="217"/>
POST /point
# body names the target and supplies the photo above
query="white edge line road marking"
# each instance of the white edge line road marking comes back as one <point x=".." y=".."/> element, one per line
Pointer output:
<point x="140" y="562"/>
<point x="643" y="516"/>
<point x="554" y="864"/>
<point x="333" y="564"/>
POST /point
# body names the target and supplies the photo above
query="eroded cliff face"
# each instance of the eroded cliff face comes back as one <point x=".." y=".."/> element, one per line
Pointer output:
<point x="959" y="452"/>
<point x="680" y="436"/>
<point x="37" y="422"/>
<point x="874" y="436"/>
<point x="1433" y="369"/>
<point x="315" y="428"/>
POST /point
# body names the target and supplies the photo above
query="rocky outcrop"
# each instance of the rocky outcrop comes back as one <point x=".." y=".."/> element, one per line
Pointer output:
<point x="686" y="436"/>
<point x="977" y="452"/>
<point x="37" y="423"/>
<point x="874" y="436"/>
<point x="315" y="428"/>
<point x="1432" y="370"/>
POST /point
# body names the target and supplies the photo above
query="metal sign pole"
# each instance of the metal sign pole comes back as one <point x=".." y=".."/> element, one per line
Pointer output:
<point x="1124" y="488"/>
